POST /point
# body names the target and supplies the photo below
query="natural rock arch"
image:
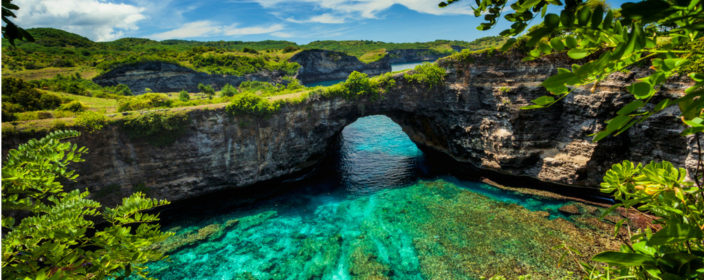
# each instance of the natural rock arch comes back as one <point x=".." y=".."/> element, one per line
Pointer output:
<point x="473" y="118"/>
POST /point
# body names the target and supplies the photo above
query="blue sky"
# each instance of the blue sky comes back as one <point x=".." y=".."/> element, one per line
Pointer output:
<point x="299" y="21"/>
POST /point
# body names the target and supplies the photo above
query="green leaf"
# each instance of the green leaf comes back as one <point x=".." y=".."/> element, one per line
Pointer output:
<point x="675" y="232"/>
<point x="552" y="21"/>
<point x="623" y="259"/>
<point x="571" y="42"/>
<point x="630" y="107"/>
<point x="577" y="53"/>
<point x="596" y="16"/>
<point x="641" y="90"/>
<point x="556" y="43"/>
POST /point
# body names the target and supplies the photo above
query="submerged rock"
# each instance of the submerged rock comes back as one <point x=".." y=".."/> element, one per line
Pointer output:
<point x="570" y="209"/>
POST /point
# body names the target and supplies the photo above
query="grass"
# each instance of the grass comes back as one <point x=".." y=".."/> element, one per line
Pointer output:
<point x="372" y="56"/>
<point x="104" y="105"/>
<point x="51" y="72"/>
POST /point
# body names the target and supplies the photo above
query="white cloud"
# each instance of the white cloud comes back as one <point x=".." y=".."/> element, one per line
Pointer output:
<point x="234" y="31"/>
<point x="97" y="20"/>
<point x="206" y="28"/>
<point x="202" y="28"/>
<point x="323" y="18"/>
<point x="368" y="8"/>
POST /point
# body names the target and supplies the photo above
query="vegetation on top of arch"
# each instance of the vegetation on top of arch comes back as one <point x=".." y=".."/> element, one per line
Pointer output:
<point x="665" y="34"/>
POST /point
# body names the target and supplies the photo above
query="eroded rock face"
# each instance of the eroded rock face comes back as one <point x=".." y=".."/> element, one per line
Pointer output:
<point x="169" y="77"/>
<point x="474" y="118"/>
<point x="413" y="55"/>
<point x="322" y="65"/>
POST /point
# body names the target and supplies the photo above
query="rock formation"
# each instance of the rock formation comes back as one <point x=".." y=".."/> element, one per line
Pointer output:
<point x="474" y="118"/>
<point x="321" y="65"/>
<point x="414" y="55"/>
<point x="168" y="77"/>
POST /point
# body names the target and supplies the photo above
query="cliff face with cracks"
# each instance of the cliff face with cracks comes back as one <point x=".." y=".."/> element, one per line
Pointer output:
<point x="474" y="118"/>
<point x="168" y="77"/>
<point x="322" y="65"/>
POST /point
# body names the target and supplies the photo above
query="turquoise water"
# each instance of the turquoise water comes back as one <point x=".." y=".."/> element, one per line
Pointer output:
<point x="374" y="214"/>
<point x="405" y="66"/>
<point x="394" y="67"/>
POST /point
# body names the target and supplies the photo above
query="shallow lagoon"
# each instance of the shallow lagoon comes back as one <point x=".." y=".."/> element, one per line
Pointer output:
<point x="380" y="216"/>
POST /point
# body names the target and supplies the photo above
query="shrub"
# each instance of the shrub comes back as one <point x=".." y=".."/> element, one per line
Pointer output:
<point x="91" y="121"/>
<point x="144" y="101"/>
<point x="289" y="49"/>
<point x="18" y="96"/>
<point x="184" y="96"/>
<point x="251" y="104"/>
<point x="52" y="233"/>
<point x="427" y="74"/>
<point x="73" y="106"/>
<point x="157" y="128"/>
<point x="122" y="89"/>
<point x="207" y="90"/>
<point x="228" y="90"/>
<point x="250" y="50"/>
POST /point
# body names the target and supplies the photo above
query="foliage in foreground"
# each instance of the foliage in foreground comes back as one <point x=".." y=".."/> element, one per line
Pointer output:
<point x="663" y="34"/>
<point x="64" y="234"/>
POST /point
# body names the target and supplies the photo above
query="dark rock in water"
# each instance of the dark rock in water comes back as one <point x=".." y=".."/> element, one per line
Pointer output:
<point x="569" y="209"/>
<point x="322" y="65"/>
<point x="168" y="77"/>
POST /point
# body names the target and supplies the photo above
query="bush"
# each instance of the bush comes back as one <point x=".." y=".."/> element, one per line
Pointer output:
<point x="250" y="50"/>
<point x="184" y="96"/>
<point x="51" y="233"/>
<point x="157" y="128"/>
<point x="91" y="121"/>
<point x="251" y="104"/>
<point x="427" y="74"/>
<point x="122" y="89"/>
<point x="228" y="90"/>
<point x="73" y="106"/>
<point x="207" y="90"/>
<point x="18" y="96"/>
<point x="289" y="49"/>
<point x="144" y="101"/>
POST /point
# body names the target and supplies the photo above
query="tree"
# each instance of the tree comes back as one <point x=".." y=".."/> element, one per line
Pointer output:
<point x="63" y="233"/>
<point x="228" y="90"/>
<point x="11" y="31"/>
<point x="184" y="96"/>
<point x="207" y="90"/>
<point x="667" y="34"/>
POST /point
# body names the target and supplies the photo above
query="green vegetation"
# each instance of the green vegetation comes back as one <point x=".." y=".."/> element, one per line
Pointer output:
<point x="659" y="33"/>
<point x="251" y="104"/>
<point x="228" y="90"/>
<point x="73" y="106"/>
<point x="359" y="85"/>
<point x="159" y="128"/>
<point x="361" y="47"/>
<point x="50" y="233"/>
<point x="144" y="101"/>
<point x="91" y="121"/>
<point x="18" y="96"/>
<point x="184" y="96"/>
<point x="207" y="90"/>
<point x="426" y="74"/>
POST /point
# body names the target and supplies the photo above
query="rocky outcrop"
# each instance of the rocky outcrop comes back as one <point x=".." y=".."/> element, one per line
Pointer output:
<point x="473" y="118"/>
<point x="414" y="55"/>
<point x="168" y="77"/>
<point x="322" y="65"/>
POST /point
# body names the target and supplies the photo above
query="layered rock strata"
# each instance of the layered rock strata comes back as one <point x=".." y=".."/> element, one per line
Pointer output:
<point x="322" y="65"/>
<point x="168" y="77"/>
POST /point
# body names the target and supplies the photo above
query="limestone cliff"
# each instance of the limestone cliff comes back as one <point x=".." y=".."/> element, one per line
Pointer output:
<point x="474" y="118"/>
<point x="414" y="55"/>
<point x="321" y="65"/>
<point x="168" y="77"/>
